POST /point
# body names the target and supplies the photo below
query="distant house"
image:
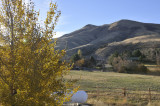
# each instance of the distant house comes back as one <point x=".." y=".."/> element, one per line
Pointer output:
<point x="108" y="66"/>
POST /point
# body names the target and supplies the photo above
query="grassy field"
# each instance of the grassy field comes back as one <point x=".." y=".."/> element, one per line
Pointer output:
<point x="108" y="82"/>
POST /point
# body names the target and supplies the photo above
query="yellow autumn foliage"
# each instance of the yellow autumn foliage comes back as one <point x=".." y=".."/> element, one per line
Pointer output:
<point x="31" y="70"/>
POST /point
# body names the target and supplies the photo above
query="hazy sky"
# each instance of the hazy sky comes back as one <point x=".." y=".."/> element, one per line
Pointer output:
<point x="78" y="13"/>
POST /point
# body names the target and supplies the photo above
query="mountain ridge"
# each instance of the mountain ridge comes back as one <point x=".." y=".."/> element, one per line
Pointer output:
<point x="91" y="39"/>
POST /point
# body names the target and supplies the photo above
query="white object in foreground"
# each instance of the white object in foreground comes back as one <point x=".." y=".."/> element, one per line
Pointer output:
<point x="79" y="97"/>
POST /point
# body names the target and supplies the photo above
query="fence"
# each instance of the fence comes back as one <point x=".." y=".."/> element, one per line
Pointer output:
<point x="130" y="94"/>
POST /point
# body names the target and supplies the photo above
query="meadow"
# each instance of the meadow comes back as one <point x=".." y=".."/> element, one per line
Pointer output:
<point x="107" y="88"/>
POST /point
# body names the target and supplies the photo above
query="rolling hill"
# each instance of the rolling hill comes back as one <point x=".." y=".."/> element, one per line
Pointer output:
<point x="101" y="41"/>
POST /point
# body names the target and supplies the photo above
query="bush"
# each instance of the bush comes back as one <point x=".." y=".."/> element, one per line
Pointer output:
<point x="136" y="68"/>
<point x="112" y="57"/>
<point x="131" y="67"/>
<point x="142" y="69"/>
<point x="122" y="69"/>
<point x="124" y="66"/>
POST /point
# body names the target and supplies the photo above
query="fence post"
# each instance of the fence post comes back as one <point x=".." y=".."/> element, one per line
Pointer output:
<point x="97" y="91"/>
<point x="149" y="94"/>
<point x="124" y="92"/>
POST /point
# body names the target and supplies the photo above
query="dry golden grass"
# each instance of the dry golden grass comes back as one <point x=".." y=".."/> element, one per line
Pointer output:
<point x="153" y="68"/>
<point x="88" y="80"/>
<point x="110" y="84"/>
<point x="96" y="102"/>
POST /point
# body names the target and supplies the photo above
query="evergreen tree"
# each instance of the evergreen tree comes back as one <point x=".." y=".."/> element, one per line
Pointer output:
<point x="75" y="58"/>
<point x="92" y="60"/>
<point x="137" y="53"/>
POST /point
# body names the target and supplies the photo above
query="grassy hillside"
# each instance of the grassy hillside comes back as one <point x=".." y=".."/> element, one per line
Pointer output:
<point x="111" y="82"/>
<point x="101" y="41"/>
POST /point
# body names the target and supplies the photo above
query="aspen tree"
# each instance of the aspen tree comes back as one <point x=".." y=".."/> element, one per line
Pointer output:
<point x="31" y="70"/>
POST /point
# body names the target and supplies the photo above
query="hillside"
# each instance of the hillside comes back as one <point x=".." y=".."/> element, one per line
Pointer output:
<point x="101" y="41"/>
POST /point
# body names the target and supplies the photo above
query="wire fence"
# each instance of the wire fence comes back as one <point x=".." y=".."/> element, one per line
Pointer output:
<point x="129" y="94"/>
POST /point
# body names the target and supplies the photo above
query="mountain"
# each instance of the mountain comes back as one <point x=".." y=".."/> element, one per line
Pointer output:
<point x="101" y="41"/>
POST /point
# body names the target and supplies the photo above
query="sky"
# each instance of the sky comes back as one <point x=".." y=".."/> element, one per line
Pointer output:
<point x="78" y="13"/>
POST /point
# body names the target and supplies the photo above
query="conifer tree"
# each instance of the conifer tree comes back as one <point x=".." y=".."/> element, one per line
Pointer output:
<point x="31" y="70"/>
